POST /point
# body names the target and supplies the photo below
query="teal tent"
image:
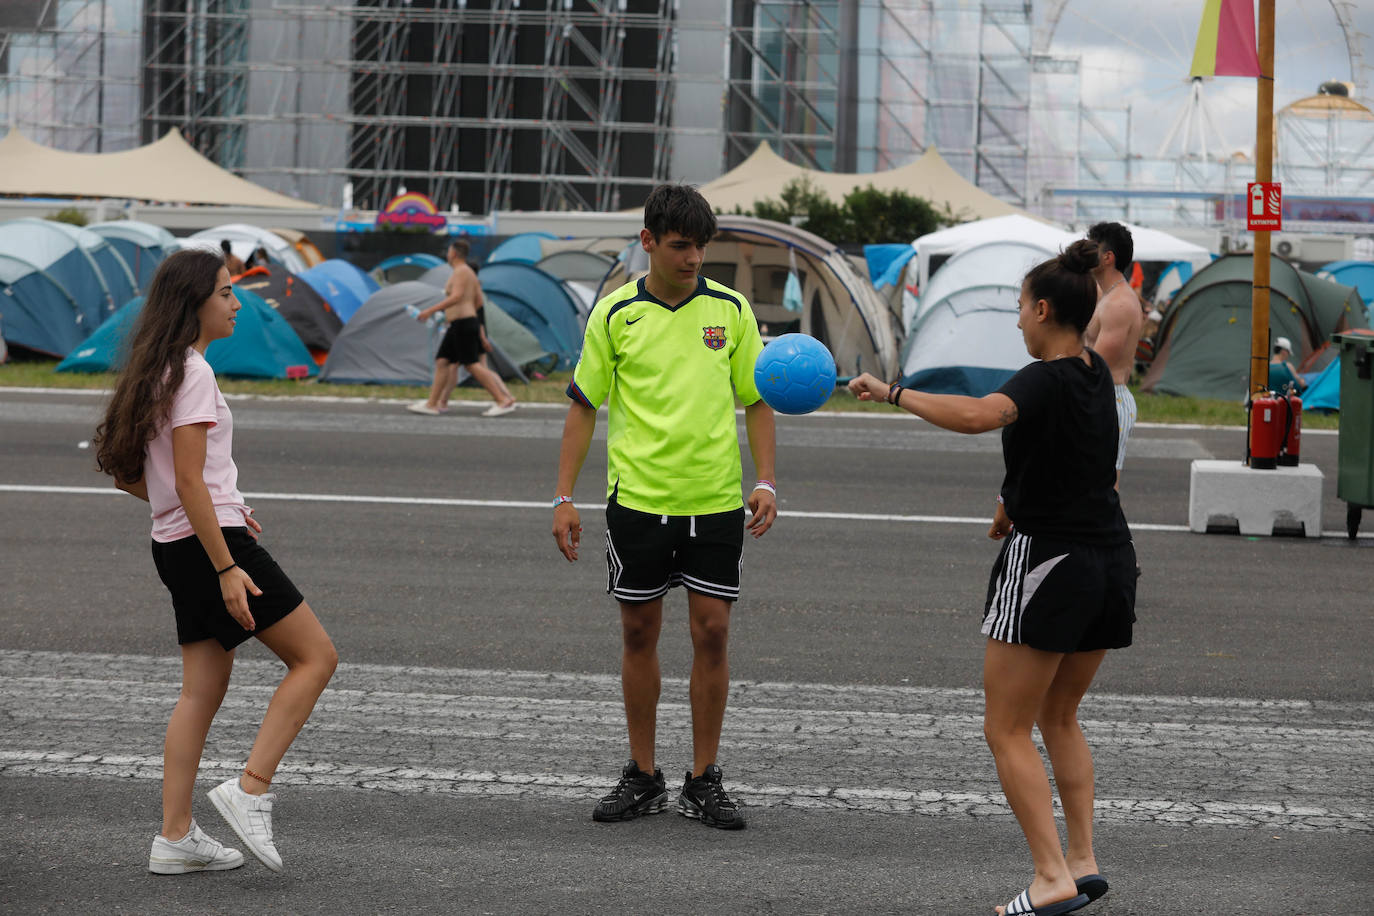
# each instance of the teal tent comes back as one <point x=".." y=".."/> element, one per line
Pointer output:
<point x="1323" y="391"/>
<point x="142" y="245"/>
<point x="263" y="344"/>
<point x="36" y="310"/>
<point x="1203" y="343"/>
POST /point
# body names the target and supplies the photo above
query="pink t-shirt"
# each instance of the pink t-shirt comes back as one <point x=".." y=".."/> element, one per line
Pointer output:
<point x="198" y="400"/>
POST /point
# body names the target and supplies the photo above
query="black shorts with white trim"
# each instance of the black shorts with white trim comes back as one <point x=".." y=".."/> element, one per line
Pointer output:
<point x="1061" y="596"/>
<point x="648" y="554"/>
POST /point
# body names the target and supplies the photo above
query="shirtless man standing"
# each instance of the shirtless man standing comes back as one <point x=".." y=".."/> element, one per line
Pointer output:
<point x="464" y="342"/>
<point x="1115" y="327"/>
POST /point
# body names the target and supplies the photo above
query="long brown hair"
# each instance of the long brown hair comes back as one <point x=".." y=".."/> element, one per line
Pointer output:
<point x="167" y="327"/>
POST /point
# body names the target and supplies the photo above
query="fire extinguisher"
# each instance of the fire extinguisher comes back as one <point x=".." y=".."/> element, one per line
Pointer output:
<point x="1266" y="430"/>
<point x="1289" y="444"/>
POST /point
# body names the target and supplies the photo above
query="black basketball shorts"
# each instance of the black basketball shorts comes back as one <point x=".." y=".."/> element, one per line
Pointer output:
<point x="1061" y="596"/>
<point x="648" y="554"/>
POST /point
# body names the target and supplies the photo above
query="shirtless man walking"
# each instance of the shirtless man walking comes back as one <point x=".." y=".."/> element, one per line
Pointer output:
<point x="1115" y="327"/>
<point x="464" y="342"/>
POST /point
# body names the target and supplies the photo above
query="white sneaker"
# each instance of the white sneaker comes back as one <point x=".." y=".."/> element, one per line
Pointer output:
<point x="499" y="410"/>
<point x="251" y="818"/>
<point x="422" y="407"/>
<point x="193" y="852"/>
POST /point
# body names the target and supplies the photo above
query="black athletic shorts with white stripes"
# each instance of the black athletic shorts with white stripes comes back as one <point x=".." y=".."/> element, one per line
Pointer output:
<point x="648" y="554"/>
<point x="1061" y="596"/>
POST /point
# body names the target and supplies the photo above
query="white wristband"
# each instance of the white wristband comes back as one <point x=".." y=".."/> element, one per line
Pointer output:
<point x="766" y="485"/>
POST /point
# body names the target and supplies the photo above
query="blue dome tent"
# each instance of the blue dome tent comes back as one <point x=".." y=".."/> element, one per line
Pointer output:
<point x="64" y="260"/>
<point x="342" y="285"/>
<point x="118" y="277"/>
<point x="539" y="302"/>
<point x="401" y="267"/>
<point x="142" y="245"/>
<point x="1359" y="274"/>
<point x="36" y="311"/>
<point x="262" y="346"/>
<point x="523" y="248"/>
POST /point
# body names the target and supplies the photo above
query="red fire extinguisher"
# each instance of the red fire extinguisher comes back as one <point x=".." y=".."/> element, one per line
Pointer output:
<point x="1266" y="430"/>
<point x="1290" y="444"/>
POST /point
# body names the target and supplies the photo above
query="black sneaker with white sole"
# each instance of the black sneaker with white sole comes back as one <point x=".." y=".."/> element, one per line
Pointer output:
<point x="636" y="794"/>
<point x="704" y="798"/>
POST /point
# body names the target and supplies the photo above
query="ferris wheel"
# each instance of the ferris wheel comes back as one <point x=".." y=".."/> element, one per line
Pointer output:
<point x="1142" y="59"/>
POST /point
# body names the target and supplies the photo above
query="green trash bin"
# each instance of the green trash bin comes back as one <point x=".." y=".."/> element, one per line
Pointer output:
<point x="1355" y="452"/>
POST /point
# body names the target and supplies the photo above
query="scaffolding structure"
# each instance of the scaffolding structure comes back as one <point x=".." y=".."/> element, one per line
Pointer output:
<point x="68" y="72"/>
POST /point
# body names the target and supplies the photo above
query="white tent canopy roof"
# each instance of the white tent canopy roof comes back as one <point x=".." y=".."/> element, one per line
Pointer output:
<point x="168" y="171"/>
<point x="764" y="174"/>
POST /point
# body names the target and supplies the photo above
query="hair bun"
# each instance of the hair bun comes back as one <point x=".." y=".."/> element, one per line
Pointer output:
<point x="1080" y="257"/>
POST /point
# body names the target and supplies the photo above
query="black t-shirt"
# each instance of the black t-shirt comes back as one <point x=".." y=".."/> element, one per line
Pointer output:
<point x="1061" y="452"/>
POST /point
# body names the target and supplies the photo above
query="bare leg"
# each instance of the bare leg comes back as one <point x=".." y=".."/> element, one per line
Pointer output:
<point x="205" y="668"/>
<point x="300" y="641"/>
<point x="1070" y="756"/>
<point x="639" y="676"/>
<point x="710" y="685"/>
<point x="1015" y="681"/>
<point x="439" y="388"/>
<point x="491" y="381"/>
<point x="451" y="384"/>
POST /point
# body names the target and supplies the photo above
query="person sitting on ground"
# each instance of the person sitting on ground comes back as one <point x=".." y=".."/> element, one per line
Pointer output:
<point x="1282" y="374"/>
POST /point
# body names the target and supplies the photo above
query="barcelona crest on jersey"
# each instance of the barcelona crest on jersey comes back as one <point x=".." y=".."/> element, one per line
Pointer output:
<point x="713" y="337"/>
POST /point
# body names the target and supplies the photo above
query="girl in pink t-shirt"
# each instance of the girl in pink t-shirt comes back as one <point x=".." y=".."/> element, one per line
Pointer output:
<point x="167" y="438"/>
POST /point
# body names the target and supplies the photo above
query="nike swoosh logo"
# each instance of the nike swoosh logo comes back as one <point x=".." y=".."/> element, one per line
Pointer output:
<point x="634" y="799"/>
<point x="630" y="321"/>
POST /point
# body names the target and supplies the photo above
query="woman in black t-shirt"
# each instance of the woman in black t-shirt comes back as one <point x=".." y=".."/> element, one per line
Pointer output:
<point x="1062" y="591"/>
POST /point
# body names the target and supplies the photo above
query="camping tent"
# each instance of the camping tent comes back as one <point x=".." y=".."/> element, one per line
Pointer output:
<point x="308" y="250"/>
<point x="342" y="285"/>
<point x="1013" y="228"/>
<point x="1359" y="274"/>
<point x="764" y="175"/>
<point x="579" y="266"/>
<point x="401" y="267"/>
<point x="37" y="311"/>
<point x="383" y="343"/>
<point x="1203" y="343"/>
<point x="963" y="337"/>
<point x="523" y="247"/>
<point x="309" y="315"/>
<point x="1156" y="245"/>
<point x="169" y="171"/>
<point x="1323" y="392"/>
<point x="436" y="276"/>
<point x="539" y="302"/>
<point x="60" y="255"/>
<point x="840" y="307"/>
<point x="262" y="346"/>
<point x="1171" y="280"/>
<point x="118" y="276"/>
<point x="142" y="245"/>
<point x="245" y="239"/>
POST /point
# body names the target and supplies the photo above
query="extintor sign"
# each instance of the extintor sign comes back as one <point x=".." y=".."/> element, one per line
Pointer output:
<point x="1264" y="206"/>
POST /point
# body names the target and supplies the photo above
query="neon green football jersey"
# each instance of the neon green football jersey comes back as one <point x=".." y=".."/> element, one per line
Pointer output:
<point x="672" y="375"/>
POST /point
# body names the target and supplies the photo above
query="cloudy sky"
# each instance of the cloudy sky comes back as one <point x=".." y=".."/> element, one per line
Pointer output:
<point x="1131" y="57"/>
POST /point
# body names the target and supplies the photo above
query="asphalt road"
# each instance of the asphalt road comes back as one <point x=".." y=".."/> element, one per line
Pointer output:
<point x="475" y="717"/>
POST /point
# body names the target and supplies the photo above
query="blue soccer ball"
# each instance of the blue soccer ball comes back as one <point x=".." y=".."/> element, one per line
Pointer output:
<point x="795" y="374"/>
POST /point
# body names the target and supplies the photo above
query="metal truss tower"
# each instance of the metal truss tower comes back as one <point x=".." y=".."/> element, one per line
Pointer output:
<point x="195" y="74"/>
<point x="861" y="85"/>
<point x="68" y="72"/>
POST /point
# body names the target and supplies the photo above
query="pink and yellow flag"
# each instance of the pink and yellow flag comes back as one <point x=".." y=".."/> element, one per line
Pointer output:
<point x="1226" y="40"/>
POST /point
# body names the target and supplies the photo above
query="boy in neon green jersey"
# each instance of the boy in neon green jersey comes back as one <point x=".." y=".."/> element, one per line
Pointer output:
<point x="672" y="351"/>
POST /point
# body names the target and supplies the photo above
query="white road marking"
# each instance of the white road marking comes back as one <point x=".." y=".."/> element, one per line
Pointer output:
<point x="1254" y="763"/>
<point x="543" y="505"/>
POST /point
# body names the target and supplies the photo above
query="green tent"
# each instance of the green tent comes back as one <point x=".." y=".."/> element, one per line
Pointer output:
<point x="1202" y="346"/>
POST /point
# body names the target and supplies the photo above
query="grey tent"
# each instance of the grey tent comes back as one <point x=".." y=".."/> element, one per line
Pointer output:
<point x="383" y="343"/>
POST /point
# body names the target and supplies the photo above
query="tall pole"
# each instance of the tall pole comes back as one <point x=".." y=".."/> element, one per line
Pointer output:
<point x="1264" y="171"/>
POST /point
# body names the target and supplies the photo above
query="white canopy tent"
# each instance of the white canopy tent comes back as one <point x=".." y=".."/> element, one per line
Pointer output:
<point x="169" y="170"/>
<point x="245" y="239"/>
<point x="963" y="338"/>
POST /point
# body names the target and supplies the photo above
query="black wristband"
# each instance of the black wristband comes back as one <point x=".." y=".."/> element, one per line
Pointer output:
<point x="226" y="569"/>
<point x="894" y="392"/>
